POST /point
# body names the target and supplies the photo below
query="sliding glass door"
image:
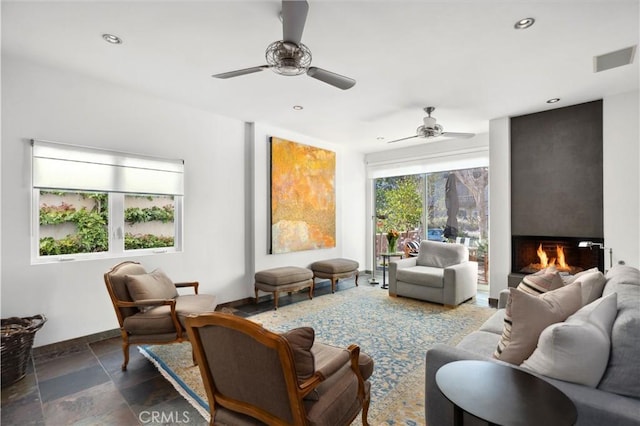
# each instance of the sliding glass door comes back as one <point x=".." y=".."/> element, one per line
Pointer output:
<point x="449" y="206"/>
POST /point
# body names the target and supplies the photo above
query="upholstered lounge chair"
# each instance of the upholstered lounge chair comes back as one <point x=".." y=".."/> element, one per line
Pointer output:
<point x="441" y="273"/>
<point x="148" y="306"/>
<point x="253" y="376"/>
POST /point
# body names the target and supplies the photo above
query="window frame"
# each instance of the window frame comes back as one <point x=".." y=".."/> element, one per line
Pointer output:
<point x="89" y="169"/>
<point x="115" y="231"/>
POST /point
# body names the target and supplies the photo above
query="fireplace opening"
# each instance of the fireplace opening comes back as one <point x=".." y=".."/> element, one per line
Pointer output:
<point x="530" y="254"/>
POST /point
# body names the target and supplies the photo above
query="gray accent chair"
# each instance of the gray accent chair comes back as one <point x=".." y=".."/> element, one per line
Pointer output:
<point x="253" y="376"/>
<point x="441" y="273"/>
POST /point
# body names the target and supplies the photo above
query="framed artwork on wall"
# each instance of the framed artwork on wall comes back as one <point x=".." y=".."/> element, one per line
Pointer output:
<point x="303" y="200"/>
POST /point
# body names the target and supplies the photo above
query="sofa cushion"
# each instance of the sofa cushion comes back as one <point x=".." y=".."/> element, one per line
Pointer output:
<point x="526" y="316"/>
<point x="422" y="275"/>
<point x="592" y="284"/>
<point x="541" y="282"/>
<point x="495" y="323"/>
<point x="480" y="342"/>
<point x="301" y="340"/>
<point x="154" y="285"/>
<point x="623" y="369"/>
<point x="577" y="350"/>
<point x="441" y="255"/>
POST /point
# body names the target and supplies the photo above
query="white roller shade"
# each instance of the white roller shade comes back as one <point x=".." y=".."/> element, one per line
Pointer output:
<point x="71" y="167"/>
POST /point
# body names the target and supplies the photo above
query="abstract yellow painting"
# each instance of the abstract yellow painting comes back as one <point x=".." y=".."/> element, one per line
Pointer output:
<point x="303" y="200"/>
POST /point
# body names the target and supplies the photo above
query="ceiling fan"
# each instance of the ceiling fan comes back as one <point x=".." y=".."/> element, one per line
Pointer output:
<point x="289" y="56"/>
<point x="431" y="130"/>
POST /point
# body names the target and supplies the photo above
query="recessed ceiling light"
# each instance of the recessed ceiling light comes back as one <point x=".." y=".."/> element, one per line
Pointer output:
<point x="298" y="107"/>
<point x="553" y="100"/>
<point x="110" y="38"/>
<point x="380" y="138"/>
<point x="524" y="23"/>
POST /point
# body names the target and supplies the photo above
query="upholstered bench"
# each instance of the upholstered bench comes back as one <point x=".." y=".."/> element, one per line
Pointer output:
<point x="285" y="278"/>
<point x="335" y="269"/>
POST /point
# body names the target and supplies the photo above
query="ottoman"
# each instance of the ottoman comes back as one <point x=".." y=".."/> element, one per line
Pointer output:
<point x="285" y="278"/>
<point x="335" y="269"/>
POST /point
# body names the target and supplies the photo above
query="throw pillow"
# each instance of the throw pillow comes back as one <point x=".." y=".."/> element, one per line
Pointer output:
<point x="154" y="285"/>
<point x="541" y="282"/>
<point x="577" y="350"/>
<point x="526" y="316"/>
<point x="301" y="340"/>
<point x="592" y="284"/>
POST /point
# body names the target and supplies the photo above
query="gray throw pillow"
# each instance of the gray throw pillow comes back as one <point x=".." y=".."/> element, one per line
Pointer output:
<point x="301" y="340"/>
<point x="154" y="285"/>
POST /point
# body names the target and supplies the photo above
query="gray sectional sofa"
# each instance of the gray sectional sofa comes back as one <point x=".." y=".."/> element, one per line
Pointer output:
<point x="615" y="400"/>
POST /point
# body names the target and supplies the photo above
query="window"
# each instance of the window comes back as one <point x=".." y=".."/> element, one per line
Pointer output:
<point x="91" y="203"/>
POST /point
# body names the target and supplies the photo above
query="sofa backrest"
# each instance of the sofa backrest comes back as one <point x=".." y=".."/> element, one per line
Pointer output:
<point x="441" y="255"/>
<point x="621" y="375"/>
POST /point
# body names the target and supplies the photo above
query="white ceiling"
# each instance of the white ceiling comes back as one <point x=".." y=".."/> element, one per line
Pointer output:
<point x="463" y="57"/>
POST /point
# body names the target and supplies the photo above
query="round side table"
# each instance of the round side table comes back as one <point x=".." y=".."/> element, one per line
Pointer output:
<point x="502" y="395"/>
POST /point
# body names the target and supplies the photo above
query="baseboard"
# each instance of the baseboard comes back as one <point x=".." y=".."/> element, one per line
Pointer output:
<point x="72" y="345"/>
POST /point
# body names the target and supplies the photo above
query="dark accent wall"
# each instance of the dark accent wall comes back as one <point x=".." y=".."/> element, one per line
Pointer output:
<point x="556" y="172"/>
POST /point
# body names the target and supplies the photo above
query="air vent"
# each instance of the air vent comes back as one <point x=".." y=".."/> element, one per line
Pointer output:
<point x="614" y="59"/>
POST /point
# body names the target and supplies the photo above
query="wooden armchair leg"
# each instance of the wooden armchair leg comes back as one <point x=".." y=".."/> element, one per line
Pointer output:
<point x="365" y="411"/>
<point x="193" y="356"/>
<point x="125" y="351"/>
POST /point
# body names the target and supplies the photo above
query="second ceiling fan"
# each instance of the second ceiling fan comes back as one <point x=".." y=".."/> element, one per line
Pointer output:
<point x="430" y="129"/>
<point x="289" y="56"/>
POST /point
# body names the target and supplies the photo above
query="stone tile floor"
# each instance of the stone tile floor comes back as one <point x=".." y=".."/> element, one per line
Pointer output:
<point x="84" y="385"/>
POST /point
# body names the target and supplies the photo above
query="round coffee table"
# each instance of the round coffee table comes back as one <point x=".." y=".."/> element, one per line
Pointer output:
<point x="502" y="395"/>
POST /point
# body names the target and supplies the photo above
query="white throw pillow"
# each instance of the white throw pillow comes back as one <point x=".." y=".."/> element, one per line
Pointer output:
<point x="577" y="350"/>
<point x="592" y="284"/>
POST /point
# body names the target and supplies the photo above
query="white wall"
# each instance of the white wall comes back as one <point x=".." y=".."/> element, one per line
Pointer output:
<point x="350" y="201"/>
<point x="621" y="174"/>
<point x="621" y="188"/>
<point x="225" y="217"/>
<point x="499" y="205"/>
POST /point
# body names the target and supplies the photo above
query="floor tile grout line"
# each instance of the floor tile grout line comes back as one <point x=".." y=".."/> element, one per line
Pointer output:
<point x="114" y="385"/>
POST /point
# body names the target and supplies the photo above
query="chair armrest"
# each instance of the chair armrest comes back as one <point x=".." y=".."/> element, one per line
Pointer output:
<point x="393" y="269"/>
<point x="403" y="263"/>
<point x="503" y="298"/>
<point x="329" y="359"/>
<point x="146" y="302"/>
<point x="460" y="282"/>
<point x="193" y="284"/>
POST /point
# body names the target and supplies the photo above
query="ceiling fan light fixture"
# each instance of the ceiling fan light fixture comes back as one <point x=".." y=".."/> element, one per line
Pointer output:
<point x="288" y="58"/>
<point x="524" y="23"/>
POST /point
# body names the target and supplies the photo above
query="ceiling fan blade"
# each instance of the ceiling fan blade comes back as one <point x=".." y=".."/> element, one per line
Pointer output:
<point x="294" y="16"/>
<point x="458" y="135"/>
<point x="404" y="139"/>
<point x="237" y="73"/>
<point x="337" y="80"/>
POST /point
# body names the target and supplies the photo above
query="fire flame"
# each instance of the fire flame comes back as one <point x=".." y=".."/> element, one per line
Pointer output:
<point x="560" y="254"/>
<point x="544" y="261"/>
<point x="559" y="259"/>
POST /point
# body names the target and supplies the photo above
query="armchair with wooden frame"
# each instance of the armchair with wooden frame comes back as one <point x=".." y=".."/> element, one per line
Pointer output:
<point x="148" y="306"/>
<point x="253" y="376"/>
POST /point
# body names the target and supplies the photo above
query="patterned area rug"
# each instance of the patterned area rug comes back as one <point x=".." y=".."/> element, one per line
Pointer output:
<point x="395" y="332"/>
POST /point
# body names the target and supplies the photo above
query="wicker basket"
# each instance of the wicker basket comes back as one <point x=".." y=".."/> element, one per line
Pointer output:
<point x="17" y="340"/>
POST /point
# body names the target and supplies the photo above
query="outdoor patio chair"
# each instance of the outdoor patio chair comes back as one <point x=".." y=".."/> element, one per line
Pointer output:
<point x="148" y="306"/>
<point x="254" y="376"/>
